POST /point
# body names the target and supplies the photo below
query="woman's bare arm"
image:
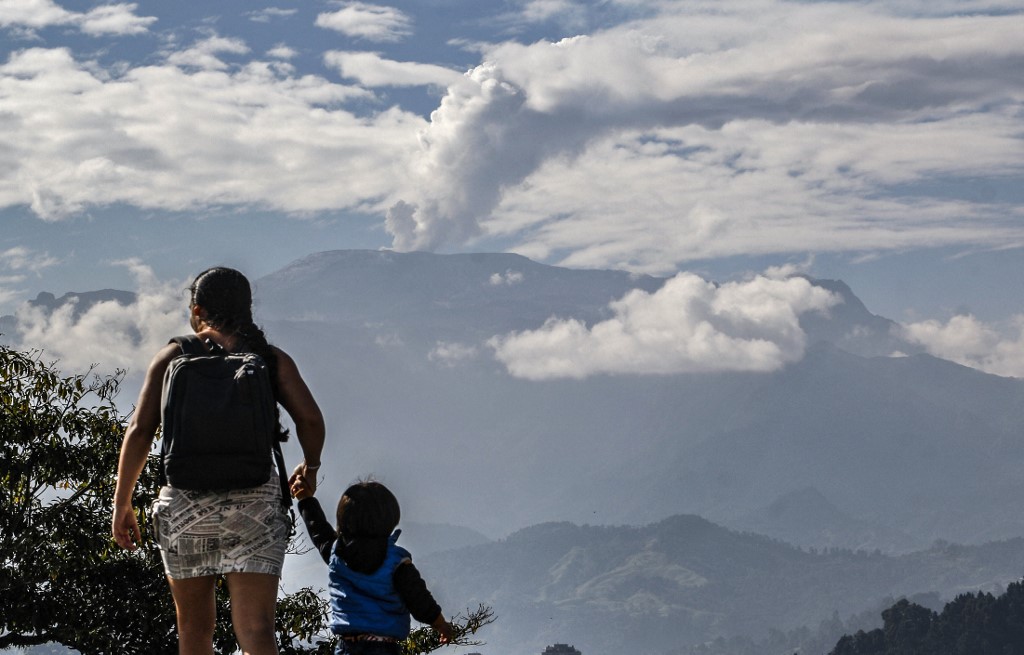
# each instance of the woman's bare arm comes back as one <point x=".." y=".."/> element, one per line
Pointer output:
<point x="298" y="401"/>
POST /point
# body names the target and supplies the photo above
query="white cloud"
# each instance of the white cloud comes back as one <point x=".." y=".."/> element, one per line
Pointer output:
<point x="569" y="15"/>
<point x="689" y="325"/>
<point x="451" y="354"/>
<point x="389" y="340"/>
<point x="282" y="51"/>
<point x="203" y="54"/>
<point x="21" y="258"/>
<point x="109" y="334"/>
<point x="33" y="13"/>
<point x="116" y="19"/>
<point x="951" y="7"/>
<point x="508" y="278"/>
<point x="790" y="119"/>
<point x="966" y="340"/>
<point x="270" y="13"/>
<point x="368" y="21"/>
<point x="543" y="10"/>
<point x="372" y="70"/>
<point x="173" y="138"/>
<point x="707" y="130"/>
<point x="8" y="294"/>
<point x="758" y="187"/>
<point x="15" y="265"/>
<point x="475" y="140"/>
<point x="790" y="269"/>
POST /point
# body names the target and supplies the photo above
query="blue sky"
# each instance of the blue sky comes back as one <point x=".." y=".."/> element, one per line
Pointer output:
<point x="878" y="142"/>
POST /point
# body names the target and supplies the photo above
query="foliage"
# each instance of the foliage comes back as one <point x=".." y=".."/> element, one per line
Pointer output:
<point x="62" y="579"/>
<point x="312" y="637"/>
<point x="797" y="640"/>
<point x="972" y="624"/>
<point x="426" y="640"/>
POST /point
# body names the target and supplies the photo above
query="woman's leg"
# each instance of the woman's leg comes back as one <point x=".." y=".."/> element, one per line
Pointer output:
<point x="253" y="599"/>
<point x="197" y="614"/>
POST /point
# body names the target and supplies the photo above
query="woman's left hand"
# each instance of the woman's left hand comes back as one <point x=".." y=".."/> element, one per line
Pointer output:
<point x="307" y="475"/>
<point x="300" y="487"/>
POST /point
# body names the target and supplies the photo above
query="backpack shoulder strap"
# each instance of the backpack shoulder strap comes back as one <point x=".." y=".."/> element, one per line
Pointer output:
<point x="286" y="492"/>
<point x="189" y="344"/>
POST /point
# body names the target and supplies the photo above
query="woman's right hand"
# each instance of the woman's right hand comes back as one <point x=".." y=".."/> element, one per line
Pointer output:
<point x="125" y="528"/>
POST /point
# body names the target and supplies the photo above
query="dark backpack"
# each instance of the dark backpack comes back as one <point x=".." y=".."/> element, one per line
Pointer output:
<point x="219" y="425"/>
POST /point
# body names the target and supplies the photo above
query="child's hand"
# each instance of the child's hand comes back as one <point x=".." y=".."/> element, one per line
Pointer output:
<point x="300" y="488"/>
<point x="309" y="475"/>
<point x="444" y="629"/>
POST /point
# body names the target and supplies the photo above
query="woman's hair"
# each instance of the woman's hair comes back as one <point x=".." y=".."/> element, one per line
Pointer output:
<point x="226" y="296"/>
<point x="368" y="510"/>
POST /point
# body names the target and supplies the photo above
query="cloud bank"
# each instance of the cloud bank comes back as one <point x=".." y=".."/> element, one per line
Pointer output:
<point x="114" y="19"/>
<point x="699" y="130"/>
<point x="966" y="340"/>
<point x="723" y="127"/>
<point x="368" y="21"/>
<point x="108" y="334"/>
<point x="16" y="264"/>
<point x="372" y="70"/>
<point x="192" y="133"/>
<point x="25" y="259"/>
<point x="687" y="326"/>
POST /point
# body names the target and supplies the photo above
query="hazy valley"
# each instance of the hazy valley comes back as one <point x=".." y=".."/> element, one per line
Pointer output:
<point x="620" y="509"/>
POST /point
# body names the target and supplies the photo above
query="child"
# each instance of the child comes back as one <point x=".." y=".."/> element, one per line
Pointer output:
<point x="373" y="583"/>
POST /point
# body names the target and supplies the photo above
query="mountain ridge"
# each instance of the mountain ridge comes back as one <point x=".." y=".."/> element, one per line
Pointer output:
<point x="905" y="450"/>
<point x="673" y="585"/>
<point x="857" y="426"/>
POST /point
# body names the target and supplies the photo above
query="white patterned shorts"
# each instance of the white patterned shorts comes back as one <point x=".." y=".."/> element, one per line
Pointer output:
<point x="213" y="532"/>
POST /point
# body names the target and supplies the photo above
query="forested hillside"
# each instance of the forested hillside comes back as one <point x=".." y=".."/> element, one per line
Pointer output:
<point x="673" y="586"/>
<point x="972" y="624"/>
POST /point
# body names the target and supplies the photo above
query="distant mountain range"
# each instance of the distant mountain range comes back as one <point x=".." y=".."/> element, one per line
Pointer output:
<point x="807" y="518"/>
<point x="80" y="302"/>
<point x="674" y="585"/>
<point x="905" y="450"/>
<point x="847" y="448"/>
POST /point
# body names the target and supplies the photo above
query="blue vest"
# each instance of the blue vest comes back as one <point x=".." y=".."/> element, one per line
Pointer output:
<point x="368" y="602"/>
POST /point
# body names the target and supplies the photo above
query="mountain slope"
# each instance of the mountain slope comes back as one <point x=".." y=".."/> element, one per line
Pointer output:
<point x="684" y="581"/>
<point x="806" y="517"/>
<point x="917" y="448"/>
<point x="442" y="296"/>
<point x="394" y="345"/>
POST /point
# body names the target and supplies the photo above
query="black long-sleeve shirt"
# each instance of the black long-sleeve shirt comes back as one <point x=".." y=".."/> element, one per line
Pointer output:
<point x="408" y="583"/>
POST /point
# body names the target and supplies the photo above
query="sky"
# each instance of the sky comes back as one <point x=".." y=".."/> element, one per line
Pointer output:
<point x="878" y="142"/>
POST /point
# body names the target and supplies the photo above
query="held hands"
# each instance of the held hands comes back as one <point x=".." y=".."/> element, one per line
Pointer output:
<point x="300" y="486"/>
<point x="124" y="527"/>
<point x="307" y="474"/>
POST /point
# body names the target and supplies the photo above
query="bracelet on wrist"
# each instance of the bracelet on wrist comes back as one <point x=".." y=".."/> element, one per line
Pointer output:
<point x="311" y="467"/>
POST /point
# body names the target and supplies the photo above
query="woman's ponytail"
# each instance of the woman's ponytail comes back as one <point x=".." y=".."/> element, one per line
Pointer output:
<point x="226" y="296"/>
<point x="256" y="340"/>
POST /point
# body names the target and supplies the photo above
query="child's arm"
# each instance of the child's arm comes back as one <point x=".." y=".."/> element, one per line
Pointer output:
<point x="414" y="593"/>
<point x="321" y="533"/>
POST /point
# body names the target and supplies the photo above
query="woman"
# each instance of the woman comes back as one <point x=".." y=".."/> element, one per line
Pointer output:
<point x="250" y="559"/>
